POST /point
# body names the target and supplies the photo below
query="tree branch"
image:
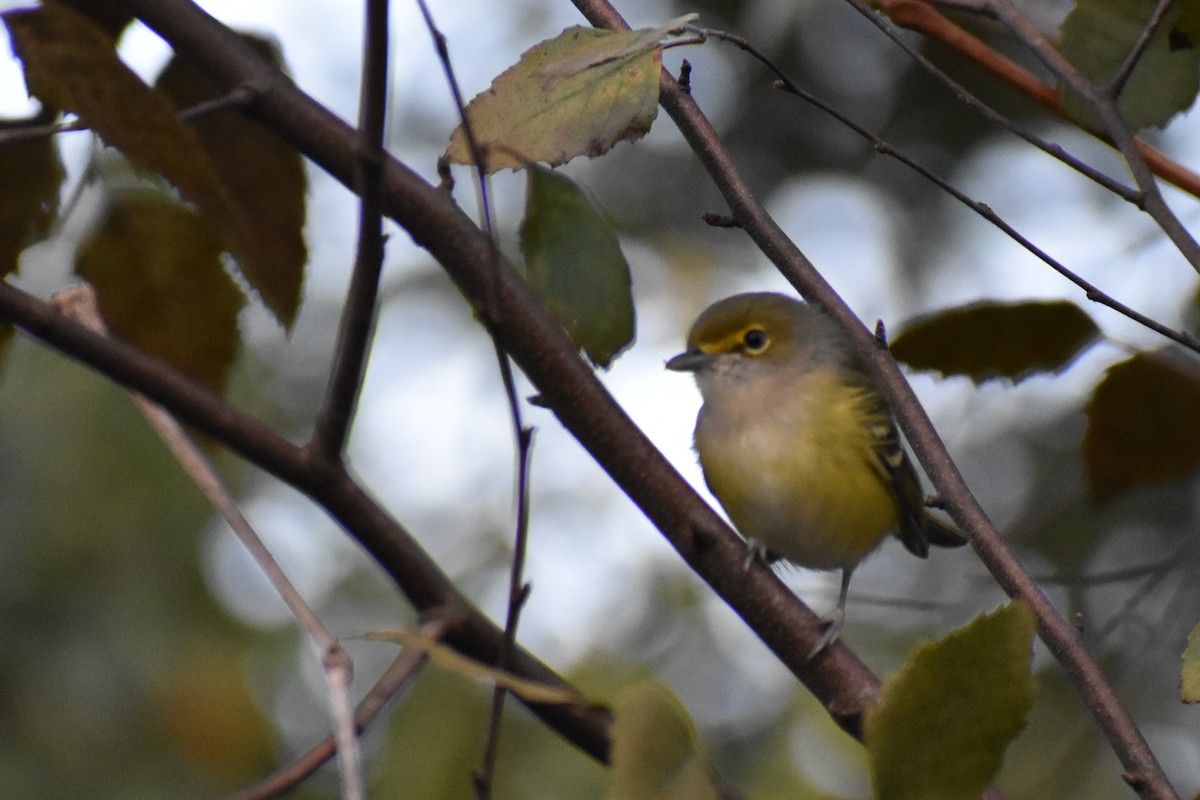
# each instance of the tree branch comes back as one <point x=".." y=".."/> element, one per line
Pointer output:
<point x="541" y="348"/>
<point x="329" y="484"/>
<point x="358" y="317"/>
<point x="1142" y="768"/>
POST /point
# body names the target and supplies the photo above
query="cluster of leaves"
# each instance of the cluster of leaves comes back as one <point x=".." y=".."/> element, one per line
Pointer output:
<point x="156" y="257"/>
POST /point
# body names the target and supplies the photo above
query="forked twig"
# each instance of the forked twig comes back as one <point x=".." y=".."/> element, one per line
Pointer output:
<point x="79" y="303"/>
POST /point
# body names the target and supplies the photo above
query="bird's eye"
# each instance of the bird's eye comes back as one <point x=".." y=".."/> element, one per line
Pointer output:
<point x="755" y="340"/>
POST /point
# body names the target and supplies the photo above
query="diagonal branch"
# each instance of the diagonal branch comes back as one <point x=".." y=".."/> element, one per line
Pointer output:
<point x="541" y="348"/>
<point x="1142" y="768"/>
<point x="330" y="485"/>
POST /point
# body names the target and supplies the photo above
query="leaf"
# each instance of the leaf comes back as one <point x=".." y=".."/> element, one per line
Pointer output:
<point x="946" y="718"/>
<point x="30" y="176"/>
<point x="656" y="751"/>
<point x="70" y="64"/>
<point x="452" y="660"/>
<point x="1142" y="424"/>
<point x="997" y="340"/>
<point x="1098" y="35"/>
<point x="1189" y="679"/>
<point x="576" y="94"/>
<point x="573" y="263"/>
<point x="265" y="179"/>
<point x="111" y="17"/>
<point x="157" y="270"/>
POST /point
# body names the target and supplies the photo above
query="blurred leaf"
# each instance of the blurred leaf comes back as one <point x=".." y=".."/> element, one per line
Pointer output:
<point x="450" y="659"/>
<point x="573" y="263"/>
<point x="111" y="17"/>
<point x="1098" y="35"/>
<point x="30" y="176"/>
<point x="207" y="714"/>
<point x="576" y="94"/>
<point x="1189" y="682"/>
<point x="947" y="717"/>
<point x="71" y="64"/>
<point x="1142" y="424"/>
<point x="997" y="340"/>
<point x="157" y="271"/>
<point x="656" y="751"/>
<point x="265" y="178"/>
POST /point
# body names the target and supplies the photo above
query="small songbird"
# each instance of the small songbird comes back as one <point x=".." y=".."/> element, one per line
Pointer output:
<point x="798" y="443"/>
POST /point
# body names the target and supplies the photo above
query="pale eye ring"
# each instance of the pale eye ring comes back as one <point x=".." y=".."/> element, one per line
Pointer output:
<point x="755" y="340"/>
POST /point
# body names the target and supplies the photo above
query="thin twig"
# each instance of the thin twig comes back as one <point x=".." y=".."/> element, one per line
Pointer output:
<point x="1093" y="293"/>
<point x="239" y="96"/>
<point x="1105" y="108"/>
<point x="986" y="111"/>
<point x="393" y="680"/>
<point x="518" y="591"/>
<point x="1116" y="83"/>
<point x="924" y="18"/>
<point x="358" y="319"/>
<point x="79" y="303"/>
<point x="1062" y="639"/>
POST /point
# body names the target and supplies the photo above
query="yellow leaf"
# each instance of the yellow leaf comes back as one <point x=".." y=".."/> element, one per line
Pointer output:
<point x="454" y="661"/>
<point x="577" y="94"/>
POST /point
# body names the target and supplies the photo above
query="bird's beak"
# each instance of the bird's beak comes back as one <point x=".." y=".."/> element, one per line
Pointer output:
<point x="691" y="361"/>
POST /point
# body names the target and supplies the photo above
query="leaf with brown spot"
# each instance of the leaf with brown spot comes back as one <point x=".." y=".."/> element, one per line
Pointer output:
<point x="265" y="178"/>
<point x="1143" y="424"/>
<point x="576" y="94"/>
<point x="157" y="270"/>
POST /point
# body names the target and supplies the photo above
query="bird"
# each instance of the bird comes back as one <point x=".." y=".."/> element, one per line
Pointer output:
<point x="798" y="443"/>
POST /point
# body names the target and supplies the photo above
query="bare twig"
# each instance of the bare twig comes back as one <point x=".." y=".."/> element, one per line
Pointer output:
<point x="358" y="318"/>
<point x="239" y="96"/>
<point x="393" y="680"/>
<point x="518" y="590"/>
<point x="79" y="303"/>
<point x="1105" y="107"/>
<point x="1093" y="292"/>
<point x="1116" y="83"/>
<point x="1060" y="636"/>
<point x="921" y="16"/>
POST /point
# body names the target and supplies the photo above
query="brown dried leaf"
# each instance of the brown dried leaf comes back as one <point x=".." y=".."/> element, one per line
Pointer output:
<point x="157" y="270"/>
<point x="265" y="178"/>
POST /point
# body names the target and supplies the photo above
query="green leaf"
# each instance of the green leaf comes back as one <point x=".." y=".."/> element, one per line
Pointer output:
<point x="576" y="94"/>
<point x="1098" y="35"/>
<point x="157" y="270"/>
<point x="30" y="177"/>
<point x="1142" y="424"/>
<point x="656" y="751"/>
<point x="946" y="718"/>
<point x="1189" y="680"/>
<point x="265" y="179"/>
<point x="70" y="64"/>
<point x="573" y="263"/>
<point x="997" y="340"/>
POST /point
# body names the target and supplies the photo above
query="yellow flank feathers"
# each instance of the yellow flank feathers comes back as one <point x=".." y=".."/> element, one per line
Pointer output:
<point x="797" y="442"/>
<point x="800" y="476"/>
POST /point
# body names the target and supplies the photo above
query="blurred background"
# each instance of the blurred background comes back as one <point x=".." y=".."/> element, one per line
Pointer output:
<point x="144" y="655"/>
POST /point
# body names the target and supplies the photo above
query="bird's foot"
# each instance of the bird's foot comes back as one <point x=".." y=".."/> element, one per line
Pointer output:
<point x="755" y="550"/>
<point x="831" y="625"/>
